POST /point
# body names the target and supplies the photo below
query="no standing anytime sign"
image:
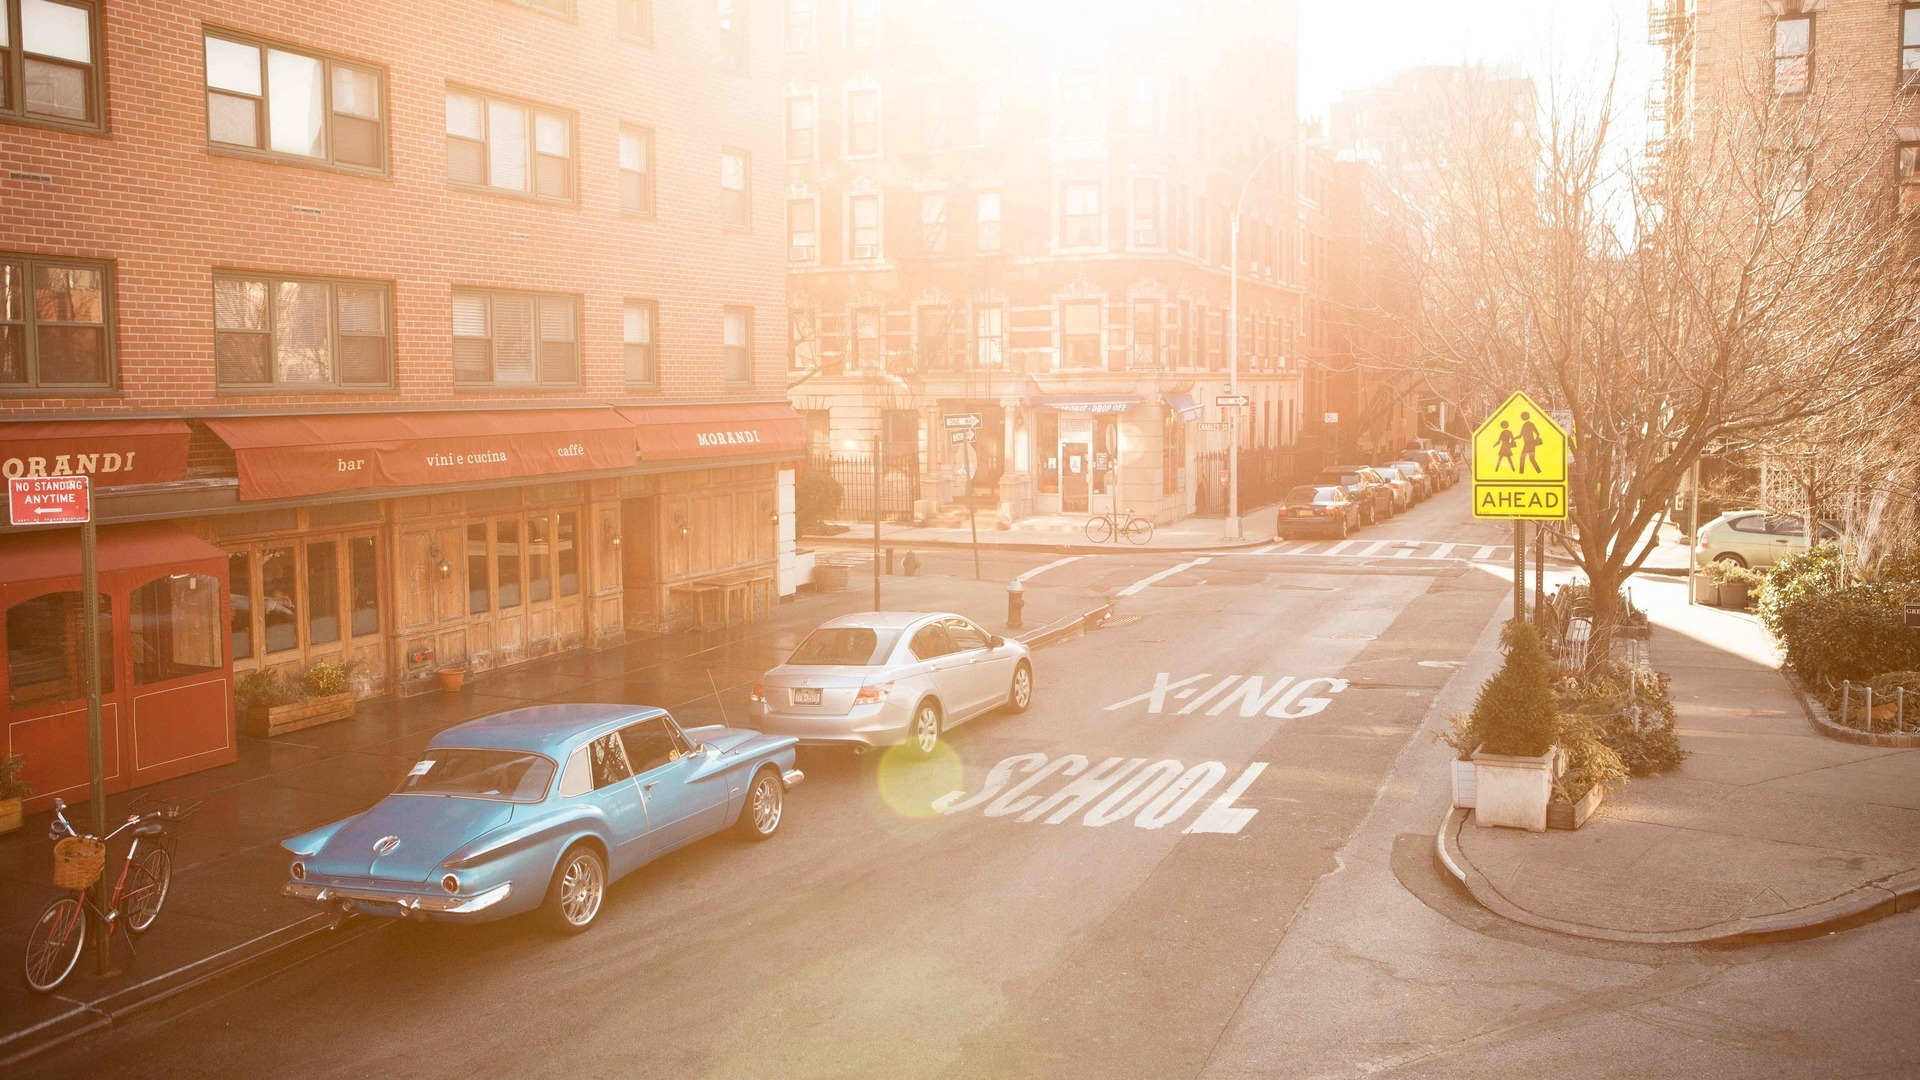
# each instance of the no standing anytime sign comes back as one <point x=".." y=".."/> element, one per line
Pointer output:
<point x="49" y="500"/>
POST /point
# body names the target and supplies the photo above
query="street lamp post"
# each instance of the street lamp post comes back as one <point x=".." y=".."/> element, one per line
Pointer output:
<point x="1233" y="349"/>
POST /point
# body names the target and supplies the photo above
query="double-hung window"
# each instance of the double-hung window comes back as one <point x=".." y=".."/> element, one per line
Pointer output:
<point x="1146" y="212"/>
<point x="737" y="344"/>
<point x="637" y="333"/>
<point x="987" y="221"/>
<point x="1080" y="333"/>
<point x="509" y="146"/>
<point x="1910" y="47"/>
<point x="293" y="105"/>
<point x="801" y="25"/>
<point x="990" y="335"/>
<point x="1080" y="215"/>
<point x="1792" y="54"/>
<point x="636" y="19"/>
<point x="802" y="128"/>
<point x="515" y="339"/>
<point x="803" y="230"/>
<point x="55" y="323"/>
<point x="50" y="62"/>
<point x="733" y="34"/>
<point x="863" y="123"/>
<point x="863" y="215"/>
<point x="863" y="24"/>
<point x="273" y="332"/>
<point x="736" y="199"/>
<point x="636" y="170"/>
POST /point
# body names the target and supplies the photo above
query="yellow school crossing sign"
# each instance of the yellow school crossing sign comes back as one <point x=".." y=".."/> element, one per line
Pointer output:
<point x="1520" y="464"/>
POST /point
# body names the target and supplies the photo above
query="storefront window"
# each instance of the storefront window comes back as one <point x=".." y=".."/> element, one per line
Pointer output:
<point x="566" y="554"/>
<point x="279" y="607"/>
<point x="175" y="627"/>
<point x="539" y="569"/>
<point x="506" y="560"/>
<point x="323" y="592"/>
<point x="477" y="568"/>
<point x="1046" y="443"/>
<point x="363" y="569"/>
<point x="240" y="593"/>
<point x="46" y="658"/>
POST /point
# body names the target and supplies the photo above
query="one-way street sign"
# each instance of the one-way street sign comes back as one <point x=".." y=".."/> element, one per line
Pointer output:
<point x="1234" y="400"/>
<point x="962" y="420"/>
<point x="960" y="435"/>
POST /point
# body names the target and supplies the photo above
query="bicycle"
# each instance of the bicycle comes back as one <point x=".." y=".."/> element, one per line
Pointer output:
<point x="1104" y="527"/>
<point x="59" y="935"/>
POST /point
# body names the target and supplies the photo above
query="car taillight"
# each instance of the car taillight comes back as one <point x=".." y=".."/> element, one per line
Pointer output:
<point x="873" y="695"/>
<point x="299" y="870"/>
<point x="1702" y="545"/>
<point x="759" y="695"/>
<point x="450" y="883"/>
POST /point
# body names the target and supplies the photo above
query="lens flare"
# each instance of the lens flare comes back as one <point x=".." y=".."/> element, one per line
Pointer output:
<point x="907" y="783"/>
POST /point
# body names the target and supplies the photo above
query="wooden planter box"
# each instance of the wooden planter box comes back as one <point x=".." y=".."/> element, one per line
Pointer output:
<point x="1734" y="595"/>
<point x="9" y="815"/>
<point x="1706" y="591"/>
<point x="1562" y="814"/>
<point x="266" y="723"/>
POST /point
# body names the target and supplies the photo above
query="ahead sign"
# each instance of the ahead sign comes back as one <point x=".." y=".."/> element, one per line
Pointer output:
<point x="963" y="420"/>
<point x="1520" y="464"/>
<point x="49" y="500"/>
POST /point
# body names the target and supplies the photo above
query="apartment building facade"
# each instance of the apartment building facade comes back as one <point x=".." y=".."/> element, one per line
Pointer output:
<point x="418" y="343"/>
<point x="992" y="216"/>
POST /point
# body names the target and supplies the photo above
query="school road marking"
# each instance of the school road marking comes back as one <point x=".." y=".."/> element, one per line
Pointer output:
<point x="1151" y="579"/>
<point x="1038" y="570"/>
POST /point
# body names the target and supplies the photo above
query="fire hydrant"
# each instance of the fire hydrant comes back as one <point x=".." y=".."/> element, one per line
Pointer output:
<point x="1016" y="599"/>
<point x="910" y="565"/>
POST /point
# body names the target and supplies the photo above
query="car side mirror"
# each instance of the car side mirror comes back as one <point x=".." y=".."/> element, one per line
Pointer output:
<point x="995" y="641"/>
<point x="708" y="750"/>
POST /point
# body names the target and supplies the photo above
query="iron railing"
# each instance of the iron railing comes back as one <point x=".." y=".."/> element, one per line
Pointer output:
<point x="899" y="483"/>
<point x="1859" y="711"/>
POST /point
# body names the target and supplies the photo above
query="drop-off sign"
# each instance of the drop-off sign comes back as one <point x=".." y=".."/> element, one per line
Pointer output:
<point x="49" y="500"/>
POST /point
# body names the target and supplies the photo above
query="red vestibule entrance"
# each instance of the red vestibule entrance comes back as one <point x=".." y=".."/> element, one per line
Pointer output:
<point x="166" y="670"/>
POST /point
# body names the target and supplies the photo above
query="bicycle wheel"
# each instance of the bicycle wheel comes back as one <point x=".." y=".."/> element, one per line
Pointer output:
<point x="54" y="943"/>
<point x="1100" y="529"/>
<point x="1139" y="530"/>
<point x="147" y="882"/>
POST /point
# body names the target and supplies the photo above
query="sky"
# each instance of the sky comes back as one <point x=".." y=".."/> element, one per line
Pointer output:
<point x="1352" y="43"/>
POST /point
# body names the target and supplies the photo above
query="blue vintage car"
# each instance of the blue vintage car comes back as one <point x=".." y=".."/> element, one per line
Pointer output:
<point x="541" y="808"/>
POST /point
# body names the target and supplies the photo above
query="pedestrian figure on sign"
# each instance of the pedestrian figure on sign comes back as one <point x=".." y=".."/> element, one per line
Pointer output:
<point x="1505" y="442"/>
<point x="1530" y="441"/>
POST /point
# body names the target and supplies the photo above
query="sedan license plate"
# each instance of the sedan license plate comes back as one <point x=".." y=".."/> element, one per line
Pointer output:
<point x="1303" y="513"/>
<point x="803" y="696"/>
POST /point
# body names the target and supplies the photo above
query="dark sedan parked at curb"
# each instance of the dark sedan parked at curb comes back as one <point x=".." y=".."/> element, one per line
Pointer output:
<point x="541" y="808"/>
<point x="1364" y="485"/>
<point x="1324" y="510"/>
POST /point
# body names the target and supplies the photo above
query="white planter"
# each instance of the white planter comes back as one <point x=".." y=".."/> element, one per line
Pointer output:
<point x="1463" y="786"/>
<point x="1513" y="791"/>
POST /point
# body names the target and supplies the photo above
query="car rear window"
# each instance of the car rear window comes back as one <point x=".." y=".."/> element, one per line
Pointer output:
<point x="501" y="775"/>
<point x="845" y="646"/>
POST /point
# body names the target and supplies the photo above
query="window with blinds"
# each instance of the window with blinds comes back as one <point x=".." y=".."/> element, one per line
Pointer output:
<point x="300" y="333"/>
<point x="509" y="146"/>
<point x="515" y="339"/>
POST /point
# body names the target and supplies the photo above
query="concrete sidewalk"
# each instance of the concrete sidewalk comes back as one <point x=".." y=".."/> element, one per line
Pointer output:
<point x="1067" y="533"/>
<point x="1765" y="829"/>
<point x="225" y="907"/>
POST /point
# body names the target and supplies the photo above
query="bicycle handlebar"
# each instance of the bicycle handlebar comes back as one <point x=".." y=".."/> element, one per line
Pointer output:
<point x="165" y="809"/>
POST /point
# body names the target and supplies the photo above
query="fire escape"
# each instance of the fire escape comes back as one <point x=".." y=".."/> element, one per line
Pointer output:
<point x="1670" y="25"/>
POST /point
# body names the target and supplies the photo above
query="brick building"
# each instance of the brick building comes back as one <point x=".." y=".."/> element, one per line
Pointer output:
<point x="988" y="214"/>
<point x="451" y="341"/>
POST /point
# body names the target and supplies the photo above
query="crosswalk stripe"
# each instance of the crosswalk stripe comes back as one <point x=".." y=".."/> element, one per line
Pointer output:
<point x="1484" y="553"/>
<point x="1375" y="547"/>
<point x="1404" y="553"/>
<point x="1335" y="549"/>
<point x="1443" y="551"/>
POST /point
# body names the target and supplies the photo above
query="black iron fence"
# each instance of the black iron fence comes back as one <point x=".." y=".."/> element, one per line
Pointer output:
<point x="899" y="484"/>
<point x="1266" y="474"/>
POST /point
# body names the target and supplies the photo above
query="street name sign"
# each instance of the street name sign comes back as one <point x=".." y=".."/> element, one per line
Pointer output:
<point x="49" y="500"/>
<point x="1520" y="464"/>
<point x="962" y="420"/>
<point x="1912" y="614"/>
<point x="1235" y="400"/>
<point x="961" y="435"/>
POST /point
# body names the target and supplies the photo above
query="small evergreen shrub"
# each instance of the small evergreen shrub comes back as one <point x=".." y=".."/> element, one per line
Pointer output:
<point x="1516" y="713"/>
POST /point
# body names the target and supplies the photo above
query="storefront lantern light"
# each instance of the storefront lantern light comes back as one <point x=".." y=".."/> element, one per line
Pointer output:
<point x="608" y="530"/>
<point x="680" y="526"/>
<point x="440" y="562"/>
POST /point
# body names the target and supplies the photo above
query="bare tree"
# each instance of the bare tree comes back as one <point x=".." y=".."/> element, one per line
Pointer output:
<point x="1752" y="278"/>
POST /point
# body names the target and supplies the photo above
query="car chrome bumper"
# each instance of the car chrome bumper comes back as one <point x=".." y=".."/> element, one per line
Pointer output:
<point x="792" y="777"/>
<point x="409" y="903"/>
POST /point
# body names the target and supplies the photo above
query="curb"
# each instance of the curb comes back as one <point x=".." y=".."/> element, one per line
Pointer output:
<point x="1037" y="547"/>
<point x="1854" y="908"/>
<point x="119" y="1005"/>
<point x="1823" y="722"/>
<point x="1072" y="626"/>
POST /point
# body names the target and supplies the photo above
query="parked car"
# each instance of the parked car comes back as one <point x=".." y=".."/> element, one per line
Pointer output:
<point x="541" y="808"/>
<point x="1416" y="476"/>
<point x="1364" y="485"/>
<point x="1438" y="464"/>
<point x="1317" y="510"/>
<point x="1402" y="487"/>
<point x="1754" y="538"/>
<point x="888" y="678"/>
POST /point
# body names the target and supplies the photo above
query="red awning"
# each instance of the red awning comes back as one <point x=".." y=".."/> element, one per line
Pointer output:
<point x="282" y="457"/>
<point x="54" y="554"/>
<point x="711" y="432"/>
<point x="110" y="451"/>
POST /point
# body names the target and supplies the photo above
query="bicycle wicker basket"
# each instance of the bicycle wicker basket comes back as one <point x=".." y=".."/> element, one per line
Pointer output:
<point x="77" y="861"/>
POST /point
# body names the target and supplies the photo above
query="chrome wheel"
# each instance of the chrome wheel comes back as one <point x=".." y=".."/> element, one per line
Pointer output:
<point x="579" y="885"/>
<point x="1021" y="695"/>
<point x="926" y="729"/>
<point x="764" y="805"/>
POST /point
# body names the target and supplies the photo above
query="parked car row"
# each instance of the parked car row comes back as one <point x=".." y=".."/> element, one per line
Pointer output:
<point x="1754" y="538"/>
<point x="541" y="808"/>
<point x="1342" y="498"/>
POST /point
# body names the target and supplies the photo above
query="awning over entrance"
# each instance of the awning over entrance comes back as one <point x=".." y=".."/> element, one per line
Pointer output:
<point x="716" y="431"/>
<point x="109" y="451"/>
<point x="282" y="457"/>
<point x="55" y="553"/>
<point x="1182" y="404"/>
<point x="1089" y="403"/>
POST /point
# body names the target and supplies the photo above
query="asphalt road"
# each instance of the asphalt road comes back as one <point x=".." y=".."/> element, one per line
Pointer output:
<point x="1223" y="878"/>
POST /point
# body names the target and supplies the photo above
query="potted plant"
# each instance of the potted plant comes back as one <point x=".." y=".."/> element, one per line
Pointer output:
<point x="1592" y="767"/>
<point x="1464" y="740"/>
<point x="1518" y="721"/>
<point x="1706" y="583"/>
<point x="272" y="703"/>
<point x="451" y="677"/>
<point x="1737" y="584"/>
<point x="12" y="790"/>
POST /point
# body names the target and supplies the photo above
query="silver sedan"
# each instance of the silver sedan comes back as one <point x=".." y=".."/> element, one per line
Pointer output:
<point x="886" y="678"/>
